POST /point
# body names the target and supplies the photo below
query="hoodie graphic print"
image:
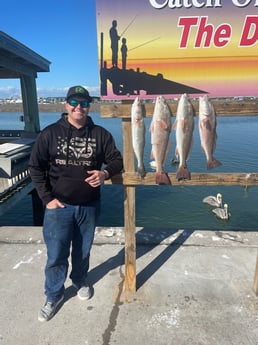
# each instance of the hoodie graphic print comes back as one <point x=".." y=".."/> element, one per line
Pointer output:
<point x="75" y="151"/>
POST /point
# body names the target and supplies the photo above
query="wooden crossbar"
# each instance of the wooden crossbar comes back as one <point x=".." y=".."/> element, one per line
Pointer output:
<point x="130" y="179"/>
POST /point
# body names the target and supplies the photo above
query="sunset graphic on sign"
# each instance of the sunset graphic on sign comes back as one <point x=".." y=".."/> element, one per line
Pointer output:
<point x="209" y="50"/>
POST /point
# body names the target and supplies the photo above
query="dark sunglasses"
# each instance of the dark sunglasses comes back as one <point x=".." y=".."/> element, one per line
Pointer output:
<point x="74" y="103"/>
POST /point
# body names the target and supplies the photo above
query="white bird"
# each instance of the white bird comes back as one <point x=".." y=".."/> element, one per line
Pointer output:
<point x="213" y="200"/>
<point x="222" y="213"/>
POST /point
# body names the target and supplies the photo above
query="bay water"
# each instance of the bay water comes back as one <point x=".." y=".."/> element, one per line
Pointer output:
<point x="178" y="207"/>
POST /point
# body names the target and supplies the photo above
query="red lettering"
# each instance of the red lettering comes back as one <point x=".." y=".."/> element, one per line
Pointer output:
<point x="250" y="32"/>
<point x="204" y="30"/>
<point x="187" y="23"/>
<point x="222" y="35"/>
<point x="206" y="33"/>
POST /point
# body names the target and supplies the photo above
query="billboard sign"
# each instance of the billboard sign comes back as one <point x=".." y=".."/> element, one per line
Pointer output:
<point x="170" y="47"/>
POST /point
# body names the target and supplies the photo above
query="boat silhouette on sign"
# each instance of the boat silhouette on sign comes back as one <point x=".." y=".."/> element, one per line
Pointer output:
<point x="129" y="82"/>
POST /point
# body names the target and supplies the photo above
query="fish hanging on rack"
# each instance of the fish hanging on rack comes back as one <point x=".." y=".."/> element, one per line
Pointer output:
<point x="160" y="129"/>
<point x="184" y="126"/>
<point x="138" y="134"/>
<point x="207" y="131"/>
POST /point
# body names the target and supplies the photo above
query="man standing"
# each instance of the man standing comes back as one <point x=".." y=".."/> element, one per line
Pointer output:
<point x="114" y="43"/>
<point x="66" y="169"/>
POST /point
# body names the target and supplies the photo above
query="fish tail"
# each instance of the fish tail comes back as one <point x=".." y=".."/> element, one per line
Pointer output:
<point x="162" y="178"/>
<point x="213" y="163"/>
<point x="183" y="173"/>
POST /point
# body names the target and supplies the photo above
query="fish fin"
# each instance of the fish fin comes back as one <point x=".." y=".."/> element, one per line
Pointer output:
<point x="182" y="123"/>
<point x="204" y="124"/>
<point x="162" y="124"/>
<point x="213" y="163"/>
<point x="183" y="173"/>
<point x="207" y="125"/>
<point x="162" y="178"/>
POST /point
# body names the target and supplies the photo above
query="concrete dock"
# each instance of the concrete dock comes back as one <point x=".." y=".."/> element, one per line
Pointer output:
<point x="193" y="287"/>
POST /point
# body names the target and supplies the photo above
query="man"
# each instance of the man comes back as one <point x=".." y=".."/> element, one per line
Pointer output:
<point x="114" y="42"/>
<point x="66" y="169"/>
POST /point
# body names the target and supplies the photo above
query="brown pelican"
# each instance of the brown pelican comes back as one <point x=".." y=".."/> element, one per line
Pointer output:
<point x="222" y="213"/>
<point x="213" y="200"/>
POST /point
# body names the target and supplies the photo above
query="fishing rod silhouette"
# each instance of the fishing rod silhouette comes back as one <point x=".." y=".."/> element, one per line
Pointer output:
<point x="142" y="44"/>
<point x="131" y="22"/>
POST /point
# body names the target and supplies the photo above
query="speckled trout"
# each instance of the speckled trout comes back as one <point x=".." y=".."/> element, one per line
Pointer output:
<point x="138" y="134"/>
<point x="184" y="126"/>
<point x="160" y="131"/>
<point x="207" y="131"/>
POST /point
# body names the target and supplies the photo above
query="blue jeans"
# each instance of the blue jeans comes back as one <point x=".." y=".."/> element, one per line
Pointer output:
<point x="62" y="227"/>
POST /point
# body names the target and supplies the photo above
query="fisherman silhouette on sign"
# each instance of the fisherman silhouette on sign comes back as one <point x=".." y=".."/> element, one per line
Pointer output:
<point x="114" y="42"/>
<point x="124" y="53"/>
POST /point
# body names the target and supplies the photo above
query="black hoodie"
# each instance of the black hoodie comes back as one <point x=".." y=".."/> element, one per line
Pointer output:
<point x="61" y="156"/>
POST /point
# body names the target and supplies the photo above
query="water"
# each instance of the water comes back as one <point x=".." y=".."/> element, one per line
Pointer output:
<point x="178" y="207"/>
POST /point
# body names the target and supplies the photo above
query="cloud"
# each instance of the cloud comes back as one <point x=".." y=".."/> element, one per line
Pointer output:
<point x="15" y="92"/>
<point x="10" y="91"/>
<point x="61" y="92"/>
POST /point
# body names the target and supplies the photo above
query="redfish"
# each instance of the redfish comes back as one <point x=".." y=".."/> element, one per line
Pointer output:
<point x="184" y="126"/>
<point x="160" y="131"/>
<point x="207" y="131"/>
<point x="138" y="134"/>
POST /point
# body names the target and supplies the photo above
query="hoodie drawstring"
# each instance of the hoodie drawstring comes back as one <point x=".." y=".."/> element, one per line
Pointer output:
<point x="69" y="136"/>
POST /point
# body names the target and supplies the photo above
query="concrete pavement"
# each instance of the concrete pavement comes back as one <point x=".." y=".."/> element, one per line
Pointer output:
<point x="193" y="287"/>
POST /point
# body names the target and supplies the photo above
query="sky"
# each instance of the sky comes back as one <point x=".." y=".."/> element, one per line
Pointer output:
<point x="61" y="31"/>
<point x="65" y="33"/>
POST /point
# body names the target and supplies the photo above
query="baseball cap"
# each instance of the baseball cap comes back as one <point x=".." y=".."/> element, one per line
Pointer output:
<point x="79" y="91"/>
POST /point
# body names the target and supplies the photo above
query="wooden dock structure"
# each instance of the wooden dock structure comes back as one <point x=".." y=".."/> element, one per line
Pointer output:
<point x="17" y="61"/>
<point x="130" y="179"/>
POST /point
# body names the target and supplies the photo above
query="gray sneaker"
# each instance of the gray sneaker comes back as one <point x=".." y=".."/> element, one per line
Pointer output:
<point x="49" y="309"/>
<point x="83" y="291"/>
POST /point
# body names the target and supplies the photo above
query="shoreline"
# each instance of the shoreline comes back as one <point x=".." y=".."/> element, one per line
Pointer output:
<point x="48" y="108"/>
<point x="222" y="107"/>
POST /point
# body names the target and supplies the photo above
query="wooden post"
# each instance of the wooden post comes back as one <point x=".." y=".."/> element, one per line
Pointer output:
<point x="256" y="277"/>
<point x="130" y="242"/>
<point x="129" y="211"/>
